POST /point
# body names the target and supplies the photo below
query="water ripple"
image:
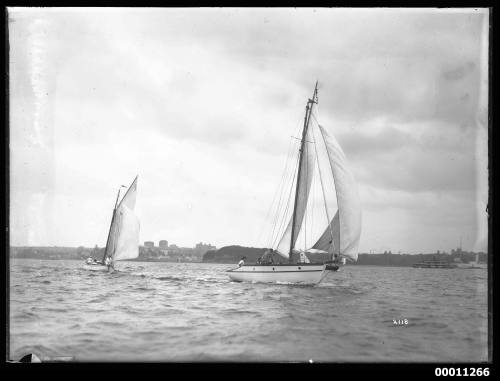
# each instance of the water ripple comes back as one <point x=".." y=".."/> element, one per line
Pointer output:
<point x="192" y="312"/>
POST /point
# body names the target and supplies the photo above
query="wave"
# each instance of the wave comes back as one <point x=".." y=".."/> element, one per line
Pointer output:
<point x="174" y="278"/>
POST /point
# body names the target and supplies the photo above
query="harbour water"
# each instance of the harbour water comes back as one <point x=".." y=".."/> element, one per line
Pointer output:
<point x="176" y="312"/>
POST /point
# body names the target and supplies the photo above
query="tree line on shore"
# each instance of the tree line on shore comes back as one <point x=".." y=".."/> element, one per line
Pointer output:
<point x="232" y="254"/>
<point x="80" y="252"/>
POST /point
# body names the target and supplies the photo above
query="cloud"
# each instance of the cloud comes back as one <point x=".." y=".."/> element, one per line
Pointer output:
<point x="203" y="104"/>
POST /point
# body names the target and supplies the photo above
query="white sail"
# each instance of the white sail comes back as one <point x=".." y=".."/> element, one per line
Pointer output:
<point x="325" y="242"/>
<point x="349" y="205"/>
<point x="113" y="234"/>
<point x="127" y="241"/>
<point x="307" y="170"/>
<point x="129" y="199"/>
<point x="123" y="242"/>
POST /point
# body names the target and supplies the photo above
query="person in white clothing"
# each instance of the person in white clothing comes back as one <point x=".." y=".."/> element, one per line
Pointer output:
<point x="108" y="262"/>
<point x="242" y="261"/>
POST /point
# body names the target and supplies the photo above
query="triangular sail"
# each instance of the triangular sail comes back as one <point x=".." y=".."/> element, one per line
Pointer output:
<point x="113" y="233"/>
<point x="123" y="242"/>
<point x="325" y="242"/>
<point x="349" y="205"/>
<point x="127" y="241"/>
<point x="307" y="170"/>
<point x="129" y="199"/>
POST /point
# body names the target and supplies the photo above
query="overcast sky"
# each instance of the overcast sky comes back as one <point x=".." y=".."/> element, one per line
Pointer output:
<point x="201" y="104"/>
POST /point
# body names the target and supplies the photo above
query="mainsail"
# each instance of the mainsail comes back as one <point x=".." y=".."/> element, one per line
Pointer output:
<point x="303" y="188"/>
<point x="123" y="240"/>
<point x="346" y="224"/>
<point x="127" y="242"/>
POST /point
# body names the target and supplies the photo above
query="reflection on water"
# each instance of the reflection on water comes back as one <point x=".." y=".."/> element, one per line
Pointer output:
<point x="193" y="312"/>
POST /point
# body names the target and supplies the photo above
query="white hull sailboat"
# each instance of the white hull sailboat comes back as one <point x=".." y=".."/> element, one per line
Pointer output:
<point x="98" y="266"/>
<point x="123" y="236"/>
<point x="473" y="265"/>
<point x="304" y="273"/>
<point x="339" y="239"/>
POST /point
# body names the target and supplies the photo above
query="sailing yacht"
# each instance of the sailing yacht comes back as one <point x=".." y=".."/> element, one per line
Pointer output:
<point x="477" y="265"/>
<point x="123" y="236"/>
<point x="341" y="235"/>
<point x="473" y="265"/>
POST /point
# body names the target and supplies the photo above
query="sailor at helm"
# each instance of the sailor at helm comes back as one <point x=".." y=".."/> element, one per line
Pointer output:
<point x="108" y="262"/>
<point x="268" y="257"/>
<point x="303" y="257"/>
<point x="242" y="261"/>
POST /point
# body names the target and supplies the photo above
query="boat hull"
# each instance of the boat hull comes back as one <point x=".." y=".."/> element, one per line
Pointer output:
<point x="434" y="266"/>
<point x="472" y="266"/>
<point x="97" y="267"/>
<point x="296" y="274"/>
<point x="332" y="267"/>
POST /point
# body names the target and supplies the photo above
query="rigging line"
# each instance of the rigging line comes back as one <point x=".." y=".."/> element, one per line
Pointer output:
<point x="323" y="189"/>
<point x="316" y="120"/>
<point x="298" y="128"/>
<point x="286" y="209"/>
<point x="280" y="230"/>
<point x="281" y="213"/>
<point x="274" y="197"/>
<point x="280" y="205"/>
<point x="118" y="231"/>
<point x="313" y="207"/>
<point x="278" y="190"/>
<point x="303" y="147"/>
<point x="313" y="201"/>
<point x="277" y="206"/>
<point x="306" y="149"/>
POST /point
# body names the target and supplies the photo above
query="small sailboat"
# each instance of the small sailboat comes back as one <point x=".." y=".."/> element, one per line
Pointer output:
<point x="475" y="264"/>
<point x="123" y="236"/>
<point x="341" y="235"/>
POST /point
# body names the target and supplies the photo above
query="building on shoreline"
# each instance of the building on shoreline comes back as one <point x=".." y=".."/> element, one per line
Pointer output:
<point x="149" y="244"/>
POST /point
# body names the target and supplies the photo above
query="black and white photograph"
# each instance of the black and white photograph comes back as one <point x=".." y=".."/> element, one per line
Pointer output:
<point x="249" y="185"/>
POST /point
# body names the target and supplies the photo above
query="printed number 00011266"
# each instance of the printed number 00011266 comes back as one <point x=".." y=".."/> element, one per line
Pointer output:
<point x="462" y="372"/>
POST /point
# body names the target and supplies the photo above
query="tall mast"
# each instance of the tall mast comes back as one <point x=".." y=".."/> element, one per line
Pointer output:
<point x="111" y="225"/>
<point x="309" y="107"/>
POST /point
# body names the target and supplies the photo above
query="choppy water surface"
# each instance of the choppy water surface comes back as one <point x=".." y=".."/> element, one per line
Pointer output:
<point x="150" y="311"/>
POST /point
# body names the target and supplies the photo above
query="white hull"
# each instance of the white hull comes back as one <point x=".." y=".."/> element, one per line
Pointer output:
<point x="97" y="267"/>
<point x="473" y="266"/>
<point x="297" y="273"/>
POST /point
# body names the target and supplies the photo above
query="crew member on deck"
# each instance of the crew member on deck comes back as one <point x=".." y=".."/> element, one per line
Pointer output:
<point x="242" y="261"/>
<point x="107" y="262"/>
<point x="267" y="258"/>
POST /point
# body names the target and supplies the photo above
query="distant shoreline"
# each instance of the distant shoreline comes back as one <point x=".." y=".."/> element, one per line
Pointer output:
<point x="209" y="263"/>
<point x="230" y="255"/>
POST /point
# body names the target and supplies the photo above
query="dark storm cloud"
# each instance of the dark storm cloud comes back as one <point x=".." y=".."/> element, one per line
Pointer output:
<point x="422" y="160"/>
